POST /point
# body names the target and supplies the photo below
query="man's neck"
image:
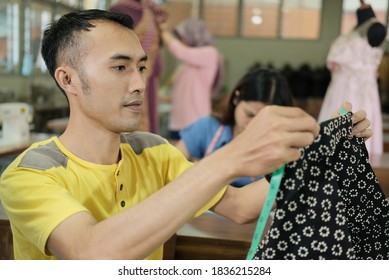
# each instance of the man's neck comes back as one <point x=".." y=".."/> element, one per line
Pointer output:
<point x="95" y="148"/>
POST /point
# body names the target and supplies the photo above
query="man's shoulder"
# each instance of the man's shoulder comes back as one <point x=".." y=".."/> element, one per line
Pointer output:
<point x="43" y="156"/>
<point x="140" y="140"/>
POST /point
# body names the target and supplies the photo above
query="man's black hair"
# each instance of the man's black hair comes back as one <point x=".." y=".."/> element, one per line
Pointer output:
<point x="62" y="36"/>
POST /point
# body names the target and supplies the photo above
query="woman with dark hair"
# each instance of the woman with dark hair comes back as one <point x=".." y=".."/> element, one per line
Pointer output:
<point x="258" y="88"/>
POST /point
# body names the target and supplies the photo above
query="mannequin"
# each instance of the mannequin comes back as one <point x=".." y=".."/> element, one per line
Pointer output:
<point x="353" y="60"/>
<point x="368" y="25"/>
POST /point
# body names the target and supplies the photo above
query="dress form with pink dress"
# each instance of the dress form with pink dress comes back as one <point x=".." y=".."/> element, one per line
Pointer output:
<point x="353" y="63"/>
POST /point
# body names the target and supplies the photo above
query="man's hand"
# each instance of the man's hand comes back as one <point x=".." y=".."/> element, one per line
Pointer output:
<point x="361" y="123"/>
<point x="271" y="139"/>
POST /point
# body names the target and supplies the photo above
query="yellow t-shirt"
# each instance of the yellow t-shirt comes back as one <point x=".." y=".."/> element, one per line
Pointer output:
<point x="47" y="183"/>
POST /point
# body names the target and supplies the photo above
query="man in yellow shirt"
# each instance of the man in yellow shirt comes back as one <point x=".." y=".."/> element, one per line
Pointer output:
<point x="103" y="191"/>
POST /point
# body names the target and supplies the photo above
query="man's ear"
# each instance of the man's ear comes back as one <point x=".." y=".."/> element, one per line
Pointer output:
<point x="64" y="76"/>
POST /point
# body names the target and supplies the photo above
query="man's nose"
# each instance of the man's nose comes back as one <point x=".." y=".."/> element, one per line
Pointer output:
<point x="137" y="82"/>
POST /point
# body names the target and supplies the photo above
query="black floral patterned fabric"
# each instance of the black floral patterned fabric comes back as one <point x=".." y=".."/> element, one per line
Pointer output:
<point x="330" y="204"/>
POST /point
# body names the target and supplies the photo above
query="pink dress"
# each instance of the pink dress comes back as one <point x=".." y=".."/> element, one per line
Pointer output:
<point x="192" y="84"/>
<point x="353" y="64"/>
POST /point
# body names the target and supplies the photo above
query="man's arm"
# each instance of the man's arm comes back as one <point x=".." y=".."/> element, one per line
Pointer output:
<point x="183" y="148"/>
<point x="243" y="205"/>
<point x="271" y="139"/>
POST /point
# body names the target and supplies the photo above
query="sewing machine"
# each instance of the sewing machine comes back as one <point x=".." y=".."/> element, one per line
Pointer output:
<point x="14" y="119"/>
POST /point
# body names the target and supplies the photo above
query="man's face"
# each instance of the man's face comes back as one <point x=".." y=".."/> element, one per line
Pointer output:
<point x="112" y="78"/>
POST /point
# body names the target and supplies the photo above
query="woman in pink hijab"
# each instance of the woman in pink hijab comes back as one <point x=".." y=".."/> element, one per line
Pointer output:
<point x="198" y="75"/>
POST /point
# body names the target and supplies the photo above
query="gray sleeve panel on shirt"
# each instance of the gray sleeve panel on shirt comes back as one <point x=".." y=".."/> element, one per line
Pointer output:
<point x="44" y="157"/>
<point x="141" y="140"/>
<point x="49" y="155"/>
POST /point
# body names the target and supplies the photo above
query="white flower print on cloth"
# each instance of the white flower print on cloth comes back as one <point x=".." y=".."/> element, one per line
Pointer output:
<point x="330" y="204"/>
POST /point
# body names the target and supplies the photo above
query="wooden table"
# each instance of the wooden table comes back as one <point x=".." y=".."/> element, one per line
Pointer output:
<point x="6" y="243"/>
<point x="213" y="237"/>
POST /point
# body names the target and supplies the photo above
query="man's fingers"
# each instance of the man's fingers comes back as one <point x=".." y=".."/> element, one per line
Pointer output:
<point x="306" y="125"/>
<point x="292" y="155"/>
<point x="361" y="126"/>
<point x="359" y="116"/>
<point x="289" y="112"/>
<point x="346" y="105"/>
<point x="295" y="119"/>
<point x="300" y="139"/>
<point x="366" y="134"/>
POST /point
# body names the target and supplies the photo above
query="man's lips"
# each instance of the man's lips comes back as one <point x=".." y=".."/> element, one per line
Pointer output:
<point x="134" y="105"/>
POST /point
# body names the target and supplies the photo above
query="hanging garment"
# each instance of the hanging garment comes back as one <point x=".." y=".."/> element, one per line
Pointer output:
<point x="354" y="65"/>
<point x="330" y="204"/>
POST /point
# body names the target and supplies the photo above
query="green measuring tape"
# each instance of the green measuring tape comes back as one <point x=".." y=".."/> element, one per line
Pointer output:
<point x="275" y="183"/>
<point x="342" y="111"/>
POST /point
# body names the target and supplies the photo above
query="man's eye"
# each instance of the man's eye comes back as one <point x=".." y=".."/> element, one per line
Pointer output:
<point x="120" y="67"/>
<point x="142" y="68"/>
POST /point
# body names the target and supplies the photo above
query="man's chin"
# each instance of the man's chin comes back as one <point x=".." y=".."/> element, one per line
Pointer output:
<point x="135" y="126"/>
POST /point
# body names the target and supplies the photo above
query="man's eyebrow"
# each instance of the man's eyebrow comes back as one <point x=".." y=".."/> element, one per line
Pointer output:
<point x="127" y="57"/>
<point x="144" y="58"/>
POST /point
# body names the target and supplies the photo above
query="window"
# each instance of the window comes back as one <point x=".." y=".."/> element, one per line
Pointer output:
<point x="260" y="18"/>
<point x="183" y="9"/>
<point x="9" y="36"/>
<point x="20" y="53"/>
<point x="287" y="19"/>
<point x="301" y="19"/>
<point x="37" y="17"/>
<point x="70" y="3"/>
<point x="85" y="4"/>
<point x="221" y="16"/>
<point x="94" y="4"/>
